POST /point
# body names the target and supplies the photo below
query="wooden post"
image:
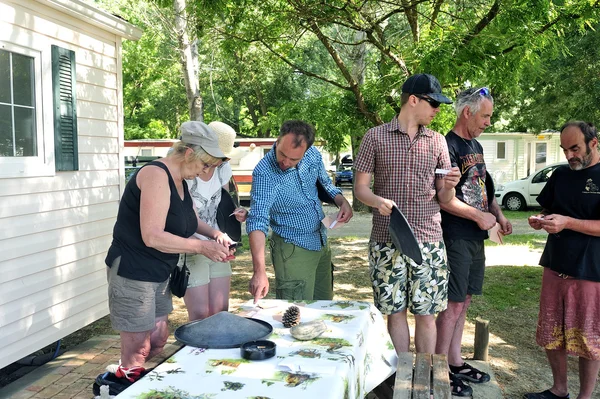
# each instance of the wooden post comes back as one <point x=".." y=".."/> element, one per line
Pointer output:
<point x="482" y="339"/>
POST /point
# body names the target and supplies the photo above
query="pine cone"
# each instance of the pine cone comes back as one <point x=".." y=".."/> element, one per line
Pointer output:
<point x="291" y="317"/>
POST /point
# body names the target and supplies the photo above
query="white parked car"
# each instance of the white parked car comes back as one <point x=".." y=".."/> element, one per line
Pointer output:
<point x="519" y="194"/>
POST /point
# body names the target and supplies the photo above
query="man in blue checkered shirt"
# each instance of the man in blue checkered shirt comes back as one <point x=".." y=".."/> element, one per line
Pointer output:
<point x="284" y="197"/>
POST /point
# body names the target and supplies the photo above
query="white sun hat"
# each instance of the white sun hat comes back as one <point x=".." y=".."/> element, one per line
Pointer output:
<point x="225" y="136"/>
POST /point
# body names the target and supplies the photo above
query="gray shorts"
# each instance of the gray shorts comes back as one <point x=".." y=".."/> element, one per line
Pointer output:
<point x="135" y="305"/>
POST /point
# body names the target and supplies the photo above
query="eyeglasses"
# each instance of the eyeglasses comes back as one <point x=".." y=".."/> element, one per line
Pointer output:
<point x="205" y="166"/>
<point x="431" y="101"/>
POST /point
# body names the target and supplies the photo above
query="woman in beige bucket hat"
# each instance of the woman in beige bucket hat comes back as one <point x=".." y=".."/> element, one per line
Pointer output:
<point x="209" y="282"/>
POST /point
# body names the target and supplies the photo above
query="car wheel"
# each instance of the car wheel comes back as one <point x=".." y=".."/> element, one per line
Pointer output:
<point x="515" y="202"/>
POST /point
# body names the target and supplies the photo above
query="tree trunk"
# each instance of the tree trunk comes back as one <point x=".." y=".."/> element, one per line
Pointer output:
<point x="358" y="74"/>
<point x="189" y="61"/>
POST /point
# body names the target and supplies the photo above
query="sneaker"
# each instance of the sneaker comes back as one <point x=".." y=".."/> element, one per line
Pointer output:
<point x="115" y="384"/>
<point x="131" y="374"/>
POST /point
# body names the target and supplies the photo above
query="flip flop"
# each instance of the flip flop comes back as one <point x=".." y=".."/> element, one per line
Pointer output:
<point x="544" y="395"/>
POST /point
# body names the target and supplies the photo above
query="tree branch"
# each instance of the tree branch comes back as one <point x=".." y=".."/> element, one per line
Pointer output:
<point x="434" y="14"/>
<point x="483" y="23"/>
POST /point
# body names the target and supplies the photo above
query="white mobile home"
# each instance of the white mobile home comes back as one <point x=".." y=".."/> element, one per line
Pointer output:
<point x="61" y="169"/>
<point x="512" y="156"/>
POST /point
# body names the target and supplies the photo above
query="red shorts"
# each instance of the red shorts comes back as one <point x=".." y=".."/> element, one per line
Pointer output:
<point x="569" y="315"/>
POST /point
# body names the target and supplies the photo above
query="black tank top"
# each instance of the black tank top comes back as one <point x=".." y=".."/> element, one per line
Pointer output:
<point x="138" y="261"/>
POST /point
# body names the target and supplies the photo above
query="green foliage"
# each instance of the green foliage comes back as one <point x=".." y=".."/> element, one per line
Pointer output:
<point x="340" y="64"/>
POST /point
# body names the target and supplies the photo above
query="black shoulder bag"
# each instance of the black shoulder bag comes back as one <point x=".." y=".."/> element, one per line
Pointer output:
<point x="179" y="279"/>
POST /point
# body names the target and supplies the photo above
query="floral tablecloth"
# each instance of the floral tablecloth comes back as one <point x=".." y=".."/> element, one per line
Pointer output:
<point x="349" y="360"/>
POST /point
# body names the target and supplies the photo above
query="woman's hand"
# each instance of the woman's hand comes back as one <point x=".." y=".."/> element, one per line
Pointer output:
<point x="213" y="250"/>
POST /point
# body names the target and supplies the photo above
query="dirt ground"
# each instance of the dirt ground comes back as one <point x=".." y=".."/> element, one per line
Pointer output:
<point x="518" y="363"/>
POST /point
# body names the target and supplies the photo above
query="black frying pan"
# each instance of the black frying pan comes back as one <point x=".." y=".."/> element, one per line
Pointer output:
<point x="403" y="236"/>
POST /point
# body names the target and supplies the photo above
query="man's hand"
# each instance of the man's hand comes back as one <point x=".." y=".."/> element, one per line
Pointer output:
<point x="259" y="286"/>
<point x="505" y="226"/>
<point x="345" y="213"/>
<point x="554" y="223"/>
<point x="452" y="178"/>
<point x="486" y="221"/>
<point x="241" y="214"/>
<point x="385" y="206"/>
<point x="535" y="221"/>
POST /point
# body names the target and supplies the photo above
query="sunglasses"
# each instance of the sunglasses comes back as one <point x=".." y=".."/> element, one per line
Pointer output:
<point x="431" y="101"/>
<point x="484" y="91"/>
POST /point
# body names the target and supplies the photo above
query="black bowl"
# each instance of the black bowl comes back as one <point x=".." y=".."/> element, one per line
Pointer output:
<point x="258" y="350"/>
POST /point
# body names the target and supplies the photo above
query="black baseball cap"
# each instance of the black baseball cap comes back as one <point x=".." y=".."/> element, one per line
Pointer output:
<point x="427" y="85"/>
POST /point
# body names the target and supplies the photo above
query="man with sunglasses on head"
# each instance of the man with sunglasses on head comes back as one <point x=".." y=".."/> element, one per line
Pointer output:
<point x="403" y="156"/>
<point x="466" y="220"/>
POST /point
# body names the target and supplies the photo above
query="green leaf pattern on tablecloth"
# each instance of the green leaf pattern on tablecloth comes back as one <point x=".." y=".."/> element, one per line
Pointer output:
<point x="224" y="366"/>
<point x="338" y="318"/>
<point x="291" y="380"/>
<point x="306" y="353"/>
<point x="232" y="386"/>
<point x="172" y="393"/>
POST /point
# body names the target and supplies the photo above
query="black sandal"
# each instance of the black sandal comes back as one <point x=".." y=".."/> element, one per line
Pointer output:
<point x="469" y="373"/>
<point x="547" y="394"/>
<point x="459" y="387"/>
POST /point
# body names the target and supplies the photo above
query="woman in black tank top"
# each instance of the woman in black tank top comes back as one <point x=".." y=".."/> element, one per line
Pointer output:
<point x="155" y="223"/>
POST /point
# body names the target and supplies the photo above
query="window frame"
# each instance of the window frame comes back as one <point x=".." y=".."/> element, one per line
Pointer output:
<point x="43" y="163"/>
<point x="505" y="150"/>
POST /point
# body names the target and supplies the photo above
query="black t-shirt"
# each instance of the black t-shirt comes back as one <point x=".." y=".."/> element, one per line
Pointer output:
<point x="471" y="189"/>
<point x="575" y="194"/>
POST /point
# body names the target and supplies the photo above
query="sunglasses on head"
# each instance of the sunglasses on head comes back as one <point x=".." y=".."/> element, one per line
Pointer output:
<point x="431" y="101"/>
<point x="484" y="91"/>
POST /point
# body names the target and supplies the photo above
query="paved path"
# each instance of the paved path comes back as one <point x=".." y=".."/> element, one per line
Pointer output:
<point x="71" y="375"/>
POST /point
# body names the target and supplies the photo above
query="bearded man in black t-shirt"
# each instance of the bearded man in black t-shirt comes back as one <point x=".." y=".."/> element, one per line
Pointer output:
<point x="569" y="318"/>
<point x="466" y="220"/>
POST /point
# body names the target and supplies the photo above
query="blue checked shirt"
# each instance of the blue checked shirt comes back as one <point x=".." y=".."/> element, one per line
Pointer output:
<point x="287" y="201"/>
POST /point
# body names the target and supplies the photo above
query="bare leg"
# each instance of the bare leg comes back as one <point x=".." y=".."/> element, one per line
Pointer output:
<point x="197" y="302"/>
<point x="135" y="348"/>
<point x="425" y="333"/>
<point x="558" y="363"/>
<point x="588" y="375"/>
<point x="218" y="291"/>
<point x="399" y="332"/>
<point x="449" y="332"/>
<point x="159" y="336"/>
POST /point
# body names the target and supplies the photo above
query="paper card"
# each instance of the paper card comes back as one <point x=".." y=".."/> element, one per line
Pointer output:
<point x="537" y="217"/>
<point x="495" y="234"/>
<point x="442" y="171"/>
<point x="330" y="222"/>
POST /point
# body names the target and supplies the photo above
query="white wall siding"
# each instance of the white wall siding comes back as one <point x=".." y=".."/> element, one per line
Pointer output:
<point x="57" y="229"/>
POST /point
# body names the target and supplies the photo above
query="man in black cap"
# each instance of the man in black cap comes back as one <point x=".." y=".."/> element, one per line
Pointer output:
<point x="403" y="156"/>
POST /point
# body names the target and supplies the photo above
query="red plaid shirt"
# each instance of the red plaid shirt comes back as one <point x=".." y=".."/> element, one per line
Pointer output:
<point x="405" y="173"/>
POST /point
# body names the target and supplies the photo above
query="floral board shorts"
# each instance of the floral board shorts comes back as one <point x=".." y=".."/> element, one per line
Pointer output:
<point x="399" y="283"/>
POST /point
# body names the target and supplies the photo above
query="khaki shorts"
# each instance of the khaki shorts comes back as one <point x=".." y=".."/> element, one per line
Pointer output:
<point x="135" y="305"/>
<point x="399" y="283"/>
<point x="203" y="269"/>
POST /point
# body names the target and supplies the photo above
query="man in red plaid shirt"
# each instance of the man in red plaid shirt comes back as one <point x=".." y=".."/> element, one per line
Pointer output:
<point x="403" y="156"/>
